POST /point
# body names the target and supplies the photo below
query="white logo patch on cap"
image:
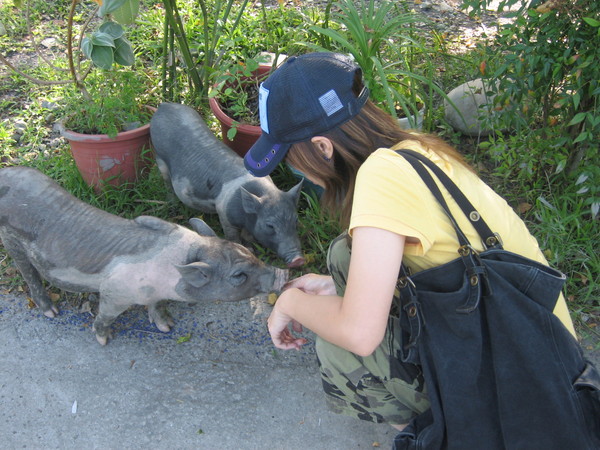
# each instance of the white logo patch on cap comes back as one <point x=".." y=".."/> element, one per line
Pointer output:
<point x="263" y="94"/>
<point x="330" y="102"/>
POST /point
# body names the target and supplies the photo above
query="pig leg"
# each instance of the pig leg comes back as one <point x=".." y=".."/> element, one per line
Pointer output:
<point x="233" y="233"/>
<point x="159" y="315"/>
<point x="166" y="175"/>
<point x="31" y="276"/>
<point x="108" y="311"/>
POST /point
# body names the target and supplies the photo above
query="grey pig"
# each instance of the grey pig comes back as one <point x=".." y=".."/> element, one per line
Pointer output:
<point x="54" y="236"/>
<point x="208" y="176"/>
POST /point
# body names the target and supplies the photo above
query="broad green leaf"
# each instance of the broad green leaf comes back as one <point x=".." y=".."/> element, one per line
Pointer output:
<point x="582" y="137"/>
<point x="123" y="52"/>
<point x="232" y="131"/>
<point x="103" y="57"/>
<point x="592" y="22"/>
<point x="112" y="28"/>
<point x="108" y="6"/>
<point x="101" y="39"/>
<point x="578" y="118"/>
<point x="87" y="47"/>
<point x="576" y="100"/>
<point x="127" y="13"/>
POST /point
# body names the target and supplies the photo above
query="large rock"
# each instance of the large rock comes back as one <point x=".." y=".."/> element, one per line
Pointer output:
<point x="476" y="107"/>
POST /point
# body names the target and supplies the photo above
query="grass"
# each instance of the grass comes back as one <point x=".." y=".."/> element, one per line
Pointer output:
<point x="567" y="234"/>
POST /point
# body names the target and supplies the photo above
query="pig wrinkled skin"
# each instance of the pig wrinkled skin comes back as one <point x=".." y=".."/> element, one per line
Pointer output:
<point x="208" y="176"/>
<point x="53" y="236"/>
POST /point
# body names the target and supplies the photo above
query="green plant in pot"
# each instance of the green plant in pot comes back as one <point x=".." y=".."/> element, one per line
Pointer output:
<point x="109" y="136"/>
<point x="107" y="98"/>
<point x="234" y="101"/>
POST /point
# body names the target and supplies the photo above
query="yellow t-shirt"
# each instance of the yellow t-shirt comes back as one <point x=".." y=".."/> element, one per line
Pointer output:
<point x="390" y="194"/>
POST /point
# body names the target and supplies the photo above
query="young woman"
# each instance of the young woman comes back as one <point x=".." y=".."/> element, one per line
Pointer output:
<point x="315" y="112"/>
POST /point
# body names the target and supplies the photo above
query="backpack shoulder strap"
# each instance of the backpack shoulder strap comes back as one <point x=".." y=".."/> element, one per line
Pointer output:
<point x="418" y="162"/>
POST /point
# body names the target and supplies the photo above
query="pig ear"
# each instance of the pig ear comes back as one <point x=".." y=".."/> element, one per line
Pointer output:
<point x="201" y="227"/>
<point x="250" y="202"/>
<point x="295" y="191"/>
<point x="197" y="273"/>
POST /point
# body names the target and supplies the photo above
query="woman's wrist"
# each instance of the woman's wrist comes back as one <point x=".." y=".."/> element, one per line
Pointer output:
<point x="285" y="301"/>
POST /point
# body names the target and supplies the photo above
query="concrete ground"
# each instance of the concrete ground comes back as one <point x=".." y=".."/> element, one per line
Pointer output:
<point x="215" y="382"/>
<point x="224" y="388"/>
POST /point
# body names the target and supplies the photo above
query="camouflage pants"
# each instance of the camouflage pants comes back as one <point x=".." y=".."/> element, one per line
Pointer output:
<point x="377" y="388"/>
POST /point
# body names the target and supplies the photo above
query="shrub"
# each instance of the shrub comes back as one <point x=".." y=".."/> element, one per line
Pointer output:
<point x="548" y="89"/>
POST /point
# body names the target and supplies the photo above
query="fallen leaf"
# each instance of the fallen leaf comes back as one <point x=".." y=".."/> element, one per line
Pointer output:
<point x="524" y="207"/>
<point x="272" y="298"/>
<point x="185" y="338"/>
<point x="376" y="444"/>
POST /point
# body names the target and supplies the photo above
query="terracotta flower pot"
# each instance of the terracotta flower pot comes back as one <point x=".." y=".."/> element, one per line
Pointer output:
<point x="116" y="161"/>
<point x="246" y="134"/>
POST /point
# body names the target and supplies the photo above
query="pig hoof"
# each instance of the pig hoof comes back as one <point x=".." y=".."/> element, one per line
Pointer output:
<point x="159" y="315"/>
<point x="164" y="324"/>
<point x="52" y="312"/>
<point x="165" y="328"/>
<point x="102" y="340"/>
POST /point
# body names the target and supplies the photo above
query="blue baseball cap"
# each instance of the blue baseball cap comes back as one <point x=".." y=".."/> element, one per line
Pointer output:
<point x="306" y="96"/>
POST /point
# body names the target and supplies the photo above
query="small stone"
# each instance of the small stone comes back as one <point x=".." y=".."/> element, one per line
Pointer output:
<point x="49" y="42"/>
<point x="470" y="100"/>
<point x="49" y="105"/>
<point x="20" y="126"/>
<point x="54" y="143"/>
<point x="445" y="7"/>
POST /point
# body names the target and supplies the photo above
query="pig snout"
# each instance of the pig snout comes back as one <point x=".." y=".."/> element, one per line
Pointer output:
<point x="296" y="261"/>
<point x="292" y="255"/>
<point x="281" y="277"/>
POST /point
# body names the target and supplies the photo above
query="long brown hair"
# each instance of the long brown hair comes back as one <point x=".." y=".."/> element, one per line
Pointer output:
<point x="353" y="142"/>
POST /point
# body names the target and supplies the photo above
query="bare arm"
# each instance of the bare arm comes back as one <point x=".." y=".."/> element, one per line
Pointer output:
<point x="357" y="321"/>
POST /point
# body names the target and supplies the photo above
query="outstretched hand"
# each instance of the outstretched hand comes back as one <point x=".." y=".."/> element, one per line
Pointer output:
<point x="278" y="323"/>
<point x="281" y="335"/>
